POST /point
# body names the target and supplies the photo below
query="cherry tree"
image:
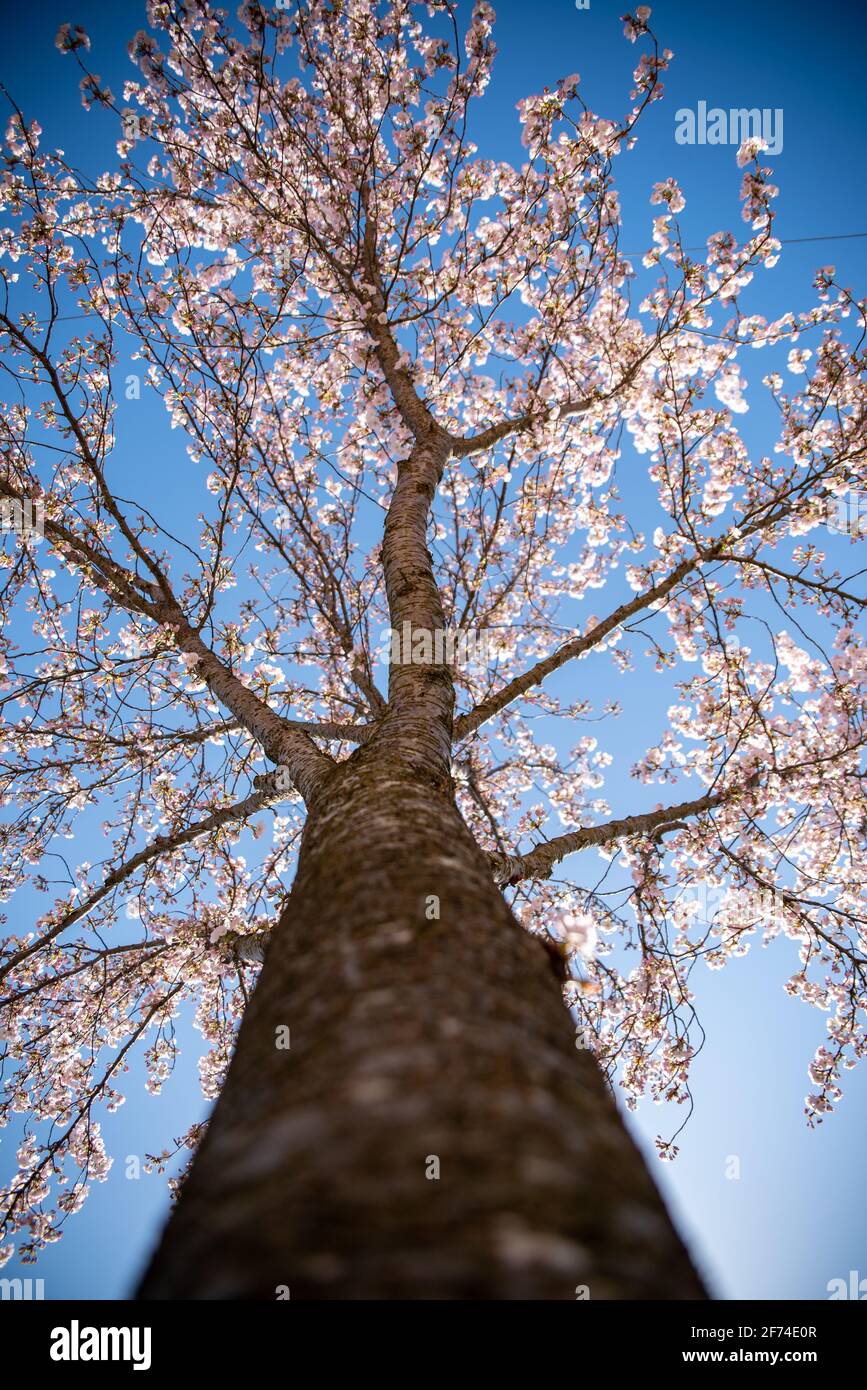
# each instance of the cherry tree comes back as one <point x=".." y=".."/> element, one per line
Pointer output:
<point x="401" y="376"/>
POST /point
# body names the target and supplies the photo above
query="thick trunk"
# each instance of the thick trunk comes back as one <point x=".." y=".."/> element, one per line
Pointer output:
<point x="418" y="1044"/>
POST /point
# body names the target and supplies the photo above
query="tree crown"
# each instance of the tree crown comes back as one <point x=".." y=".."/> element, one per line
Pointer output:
<point x="401" y="373"/>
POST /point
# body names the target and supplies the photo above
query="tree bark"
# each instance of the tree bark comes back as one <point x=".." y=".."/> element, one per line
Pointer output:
<point x="418" y="1044"/>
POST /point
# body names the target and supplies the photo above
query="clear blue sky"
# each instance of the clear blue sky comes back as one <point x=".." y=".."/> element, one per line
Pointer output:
<point x="796" y="1217"/>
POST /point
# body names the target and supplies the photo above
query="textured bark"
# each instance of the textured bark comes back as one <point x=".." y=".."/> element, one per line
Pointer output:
<point x="411" y="1039"/>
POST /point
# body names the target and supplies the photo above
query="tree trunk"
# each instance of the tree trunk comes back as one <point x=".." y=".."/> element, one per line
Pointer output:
<point x="419" y="1045"/>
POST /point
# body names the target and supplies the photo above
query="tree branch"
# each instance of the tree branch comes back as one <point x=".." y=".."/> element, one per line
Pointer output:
<point x="539" y="862"/>
<point x="514" y="689"/>
<point x="266" y="792"/>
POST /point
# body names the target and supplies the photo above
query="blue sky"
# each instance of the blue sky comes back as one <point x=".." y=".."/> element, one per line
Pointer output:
<point x="795" y="1217"/>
